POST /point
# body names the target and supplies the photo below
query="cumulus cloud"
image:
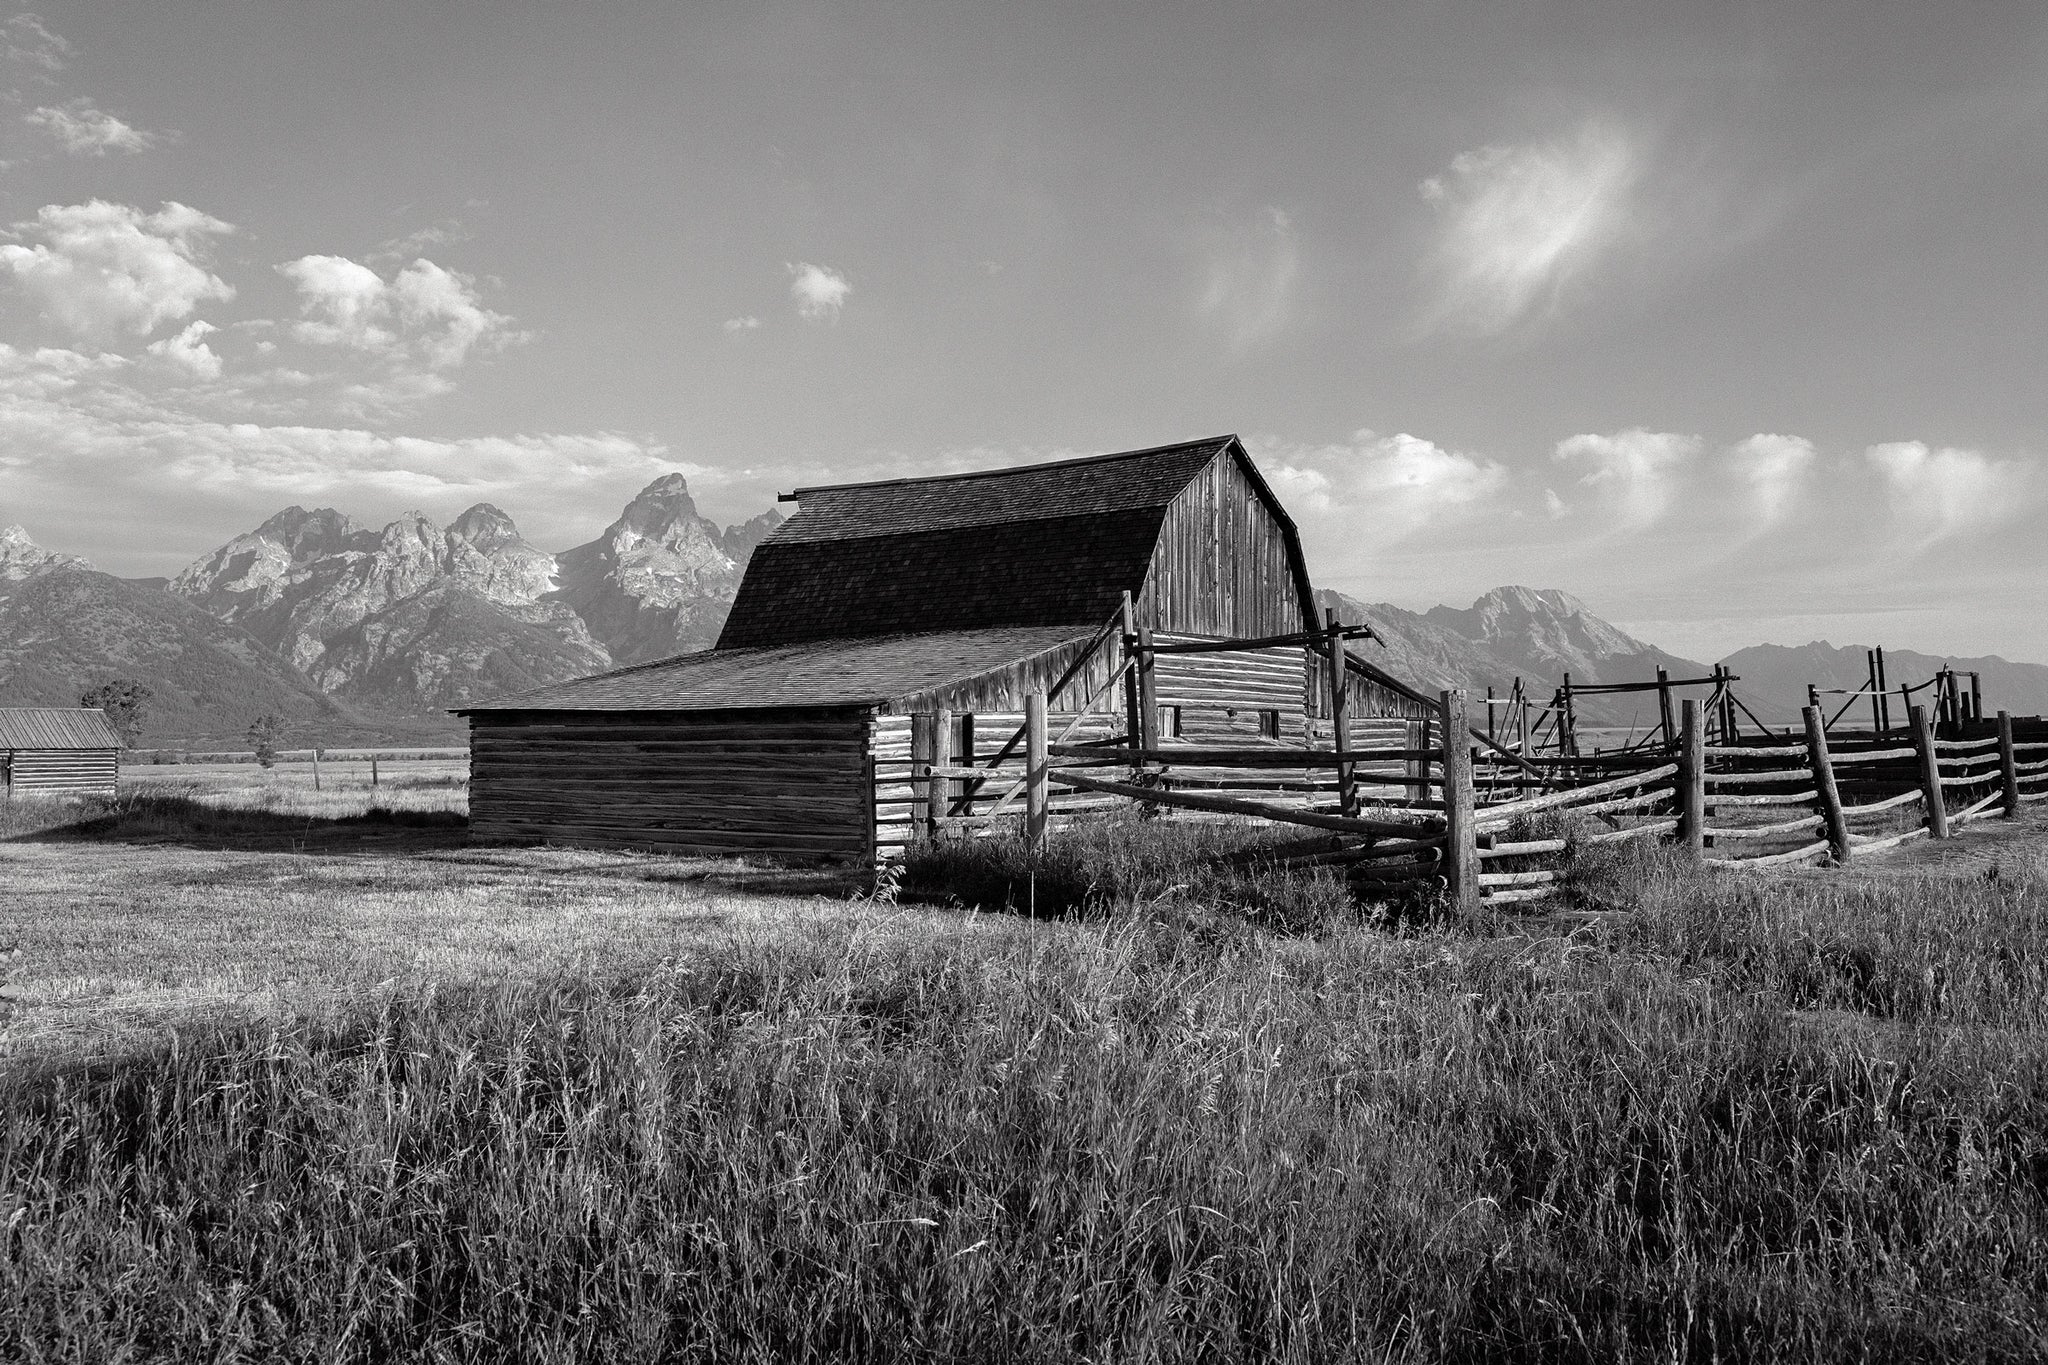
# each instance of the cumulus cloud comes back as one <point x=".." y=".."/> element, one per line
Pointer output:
<point x="100" y="269"/>
<point x="819" y="291"/>
<point x="86" y="131"/>
<point x="1393" y="485"/>
<point x="1247" y="278"/>
<point x="1634" y="471"/>
<point x="1519" y="224"/>
<point x="1775" y="469"/>
<point x="1939" y="493"/>
<point x="743" y="324"/>
<point x="424" y="312"/>
<point x="188" y="351"/>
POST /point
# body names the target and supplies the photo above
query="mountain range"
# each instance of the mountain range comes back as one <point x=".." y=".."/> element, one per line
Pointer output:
<point x="353" y="634"/>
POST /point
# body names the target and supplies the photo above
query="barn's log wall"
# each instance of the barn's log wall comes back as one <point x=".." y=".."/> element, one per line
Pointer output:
<point x="55" y="772"/>
<point x="790" y="783"/>
<point x="1223" y="565"/>
<point x="978" y="737"/>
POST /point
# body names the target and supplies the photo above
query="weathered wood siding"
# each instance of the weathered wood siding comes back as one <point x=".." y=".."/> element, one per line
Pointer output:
<point x="58" y="772"/>
<point x="1222" y="566"/>
<point x="895" y="793"/>
<point x="785" y="784"/>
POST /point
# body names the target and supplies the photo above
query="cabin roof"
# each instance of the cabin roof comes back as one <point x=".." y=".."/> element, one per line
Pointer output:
<point x="54" y="727"/>
<point x="1038" y="545"/>
<point x="815" y="673"/>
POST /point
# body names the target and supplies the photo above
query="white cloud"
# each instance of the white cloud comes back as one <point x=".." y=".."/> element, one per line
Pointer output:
<point x="743" y="324"/>
<point x="424" y="312"/>
<point x="188" y="350"/>
<point x="819" y="292"/>
<point x="1518" y="224"/>
<point x="1941" y="493"/>
<point x="1775" y="469"/>
<point x="87" y="131"/>
<point x="30" y="42"/>
<point x="103" y="269"/>
<point x="1384" y="488"/>
<point x="1248" y="275"/>
<point x="1635" y="471"/>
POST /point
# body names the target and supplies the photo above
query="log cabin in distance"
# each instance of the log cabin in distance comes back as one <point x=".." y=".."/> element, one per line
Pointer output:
<point x="58" y="751"/>
<point x="906" y="622"/>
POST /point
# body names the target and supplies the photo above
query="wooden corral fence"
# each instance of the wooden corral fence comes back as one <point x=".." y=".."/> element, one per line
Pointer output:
<point x="1466" y="814"/>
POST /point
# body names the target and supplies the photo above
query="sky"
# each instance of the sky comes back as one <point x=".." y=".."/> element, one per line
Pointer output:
<point x="1730" y="319"/>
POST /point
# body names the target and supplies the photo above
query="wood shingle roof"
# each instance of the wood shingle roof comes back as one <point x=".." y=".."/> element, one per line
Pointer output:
<point x="1041" y="545"/>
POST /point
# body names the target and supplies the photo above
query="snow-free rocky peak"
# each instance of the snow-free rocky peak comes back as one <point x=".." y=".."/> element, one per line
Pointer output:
<point x="21" y="557"/>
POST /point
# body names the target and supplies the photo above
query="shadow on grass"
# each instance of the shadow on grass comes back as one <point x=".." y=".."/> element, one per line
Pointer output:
<point x="175" y="818"/>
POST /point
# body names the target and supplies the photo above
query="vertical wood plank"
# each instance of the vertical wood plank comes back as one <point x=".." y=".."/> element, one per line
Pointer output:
<point x="1461" y="844"/>
<point x="1692" y="779"/>
<point x="943" y="789"/>
<point x="1884" y="699"/>
<point x="1037" y="794"/>
<point x="2008" y="767"/>
<point x="1930" y="771"/>
<point x="923" y="786"/>
<point x="1830" y="797"/>
<point x="1134" y="728"/>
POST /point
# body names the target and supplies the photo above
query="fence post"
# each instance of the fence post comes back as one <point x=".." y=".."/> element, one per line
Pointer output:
<point x="1664" y="715"/>
<point x="1134" y="728"/>
<point x="923" y="786"/>
<point x="1692" y="779"/>
<point x="1148" y="691"/>
<point x="2008" y="766"/>
<point x="1461" y="843"/>
<point x="1036" y="794"/>
<point x="373" y="770"/>
<point x="316" y="769"/>
<point x="1930" y="771"/>
<point x="1839" y="847"/>
<point x="1340" y="714"/>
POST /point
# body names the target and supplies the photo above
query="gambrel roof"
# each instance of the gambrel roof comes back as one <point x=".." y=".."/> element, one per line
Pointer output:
<point x="1042" y="545"/>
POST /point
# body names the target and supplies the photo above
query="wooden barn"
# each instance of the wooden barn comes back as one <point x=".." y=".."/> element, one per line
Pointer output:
<point x="907" y="621"/>
<point x="52" y="751"/>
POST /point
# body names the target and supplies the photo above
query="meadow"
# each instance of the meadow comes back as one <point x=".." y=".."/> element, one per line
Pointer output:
<point x="543" y="1105"/>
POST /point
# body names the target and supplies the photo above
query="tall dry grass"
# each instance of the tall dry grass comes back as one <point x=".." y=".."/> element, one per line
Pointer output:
<point x="1758" y="1121"/>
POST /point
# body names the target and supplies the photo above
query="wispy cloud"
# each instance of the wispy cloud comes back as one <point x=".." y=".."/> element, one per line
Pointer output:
<point x="31" y="43"/>
<point x="1519" y="224"/>
<point x="1635" y="473"/>
<point x="1939" y="493"/>
<point x="100" y="269"/>
<point x="742" y="324"/>
<point x="84" y="130"/>
<point x="820" y="292"/>
<point x="1247" y="278"/>
<point x="1380" y="489"/>
<point x="1775" y="469"/>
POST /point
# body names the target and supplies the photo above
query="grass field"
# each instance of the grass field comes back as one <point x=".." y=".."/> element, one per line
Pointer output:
<point x="541" y="1105"/>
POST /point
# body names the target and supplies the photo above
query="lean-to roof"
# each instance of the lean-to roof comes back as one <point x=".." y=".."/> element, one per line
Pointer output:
<point x="815" y="673"/>
<point x="51" y="727"/>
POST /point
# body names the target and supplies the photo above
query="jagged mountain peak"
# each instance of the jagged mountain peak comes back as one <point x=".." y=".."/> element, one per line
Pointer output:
<point x="485" y="526"/>
<point x="307" y="535"/>
<point x="20" y="556"/>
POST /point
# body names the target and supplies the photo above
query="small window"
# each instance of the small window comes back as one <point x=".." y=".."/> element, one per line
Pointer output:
<point x="1269" y="724"/>
<point x="1169" y="721"/>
